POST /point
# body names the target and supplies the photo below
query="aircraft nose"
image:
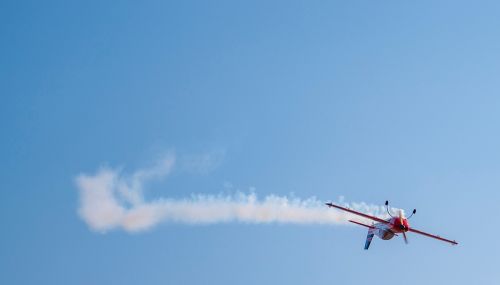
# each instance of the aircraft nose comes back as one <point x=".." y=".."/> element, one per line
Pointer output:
<point x="406" y="224"/>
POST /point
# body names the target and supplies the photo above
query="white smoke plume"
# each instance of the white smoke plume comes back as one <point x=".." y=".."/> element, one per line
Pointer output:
<point x="111" y="200"/>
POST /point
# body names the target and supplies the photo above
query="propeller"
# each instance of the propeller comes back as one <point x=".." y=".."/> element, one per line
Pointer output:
<point x="403" y="228"/>
<point x="401" y="217"/>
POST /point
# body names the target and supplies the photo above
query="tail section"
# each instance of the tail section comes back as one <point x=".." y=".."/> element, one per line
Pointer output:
<point x="369" y="238"/>
<point x="371" y="232"/>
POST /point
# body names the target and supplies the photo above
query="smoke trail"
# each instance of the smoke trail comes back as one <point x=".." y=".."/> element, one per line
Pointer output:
<point x="110" y="200"/>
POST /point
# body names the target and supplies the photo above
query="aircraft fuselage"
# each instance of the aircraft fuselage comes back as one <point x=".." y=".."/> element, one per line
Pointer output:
<point x="388" y="231"/>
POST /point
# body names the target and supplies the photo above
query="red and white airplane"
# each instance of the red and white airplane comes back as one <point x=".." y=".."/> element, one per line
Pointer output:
<point x="387" y="229"/>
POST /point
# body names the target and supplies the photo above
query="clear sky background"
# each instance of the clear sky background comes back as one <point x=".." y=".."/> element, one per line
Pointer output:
<point x="372" y="100"/>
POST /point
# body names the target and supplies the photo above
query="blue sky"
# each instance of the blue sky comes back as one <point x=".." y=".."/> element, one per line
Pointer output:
<point x="371" y="100"/>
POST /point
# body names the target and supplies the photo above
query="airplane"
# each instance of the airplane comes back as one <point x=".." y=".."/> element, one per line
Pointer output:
<point x="387" y="229"/>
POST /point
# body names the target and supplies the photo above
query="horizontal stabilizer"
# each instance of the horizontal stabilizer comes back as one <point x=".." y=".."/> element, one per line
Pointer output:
<point x="358" y="223"/>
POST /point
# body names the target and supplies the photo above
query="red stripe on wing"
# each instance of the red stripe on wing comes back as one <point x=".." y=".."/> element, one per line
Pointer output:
<point x="433" y="236"/>
<point x="358" y="213"/>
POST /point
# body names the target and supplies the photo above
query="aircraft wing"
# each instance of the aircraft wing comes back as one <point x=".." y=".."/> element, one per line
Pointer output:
<point x="357" y="213"/>
<point x="433" y="236"/>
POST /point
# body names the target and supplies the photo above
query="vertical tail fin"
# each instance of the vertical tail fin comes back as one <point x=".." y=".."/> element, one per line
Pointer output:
<point x="369" y="238"/>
